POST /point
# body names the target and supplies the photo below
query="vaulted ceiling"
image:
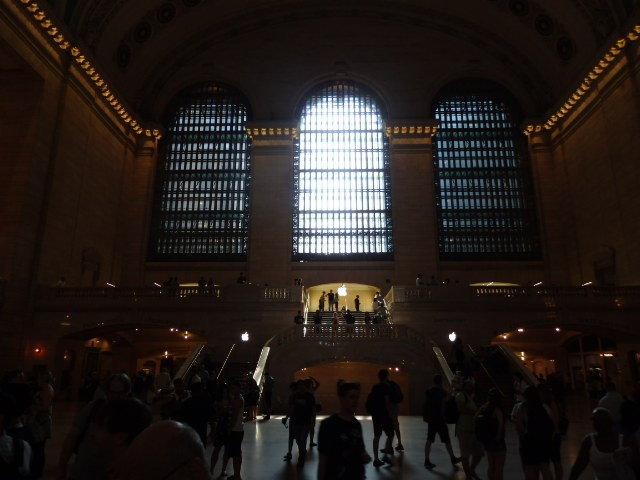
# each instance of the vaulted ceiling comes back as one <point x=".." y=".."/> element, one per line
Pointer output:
<point x="537" y="48"/>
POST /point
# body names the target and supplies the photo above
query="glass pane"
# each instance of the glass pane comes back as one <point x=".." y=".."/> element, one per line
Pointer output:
<point x="202" y="205"/>
<point x="342" y="207"/>
<point x="483" y="182"/>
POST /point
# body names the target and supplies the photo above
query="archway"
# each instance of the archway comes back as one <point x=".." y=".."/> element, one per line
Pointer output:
<point x="86" y="357"/>
<point x="365" y="373"/>
<point x="365" y="294"/>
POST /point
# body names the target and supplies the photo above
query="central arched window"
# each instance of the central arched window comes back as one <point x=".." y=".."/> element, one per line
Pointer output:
<point x="201" y="209"/>
<point x="342" y="205"/>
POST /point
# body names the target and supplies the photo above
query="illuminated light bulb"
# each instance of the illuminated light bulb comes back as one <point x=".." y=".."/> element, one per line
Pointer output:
<point x="40" y="15"/>
<point x="632" y="36"/>
<point x="603" y="64"/>
<point x="609" y="58"/>
<point x="621" y="43"/>
<point x="521" y="329"/>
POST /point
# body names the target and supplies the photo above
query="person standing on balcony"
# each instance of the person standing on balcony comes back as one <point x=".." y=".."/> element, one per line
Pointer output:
<point x="330" y="296"/>
<point x="356" y="302"/>
<point x="321" y="301"/>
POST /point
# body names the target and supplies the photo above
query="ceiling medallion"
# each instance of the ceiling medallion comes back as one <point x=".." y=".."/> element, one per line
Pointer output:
<point x="519" y="7"/>
<point x="565" y="48"/>
<point x="166" y="13"/>
<point x="544" y="24"/>
<point x="142" y="32"/>
<point x="123" y="55"/>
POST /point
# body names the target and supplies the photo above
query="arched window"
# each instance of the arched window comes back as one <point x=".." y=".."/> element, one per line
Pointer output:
<point x="485" y="203"/>
<point x="201" y="209"/>
<point x="342" y="204"/>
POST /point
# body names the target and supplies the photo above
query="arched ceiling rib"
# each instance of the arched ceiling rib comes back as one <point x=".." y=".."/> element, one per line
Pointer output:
<point x="541" y="47"/>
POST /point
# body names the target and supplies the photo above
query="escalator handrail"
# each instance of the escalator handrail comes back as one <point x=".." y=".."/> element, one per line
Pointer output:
<point x="486" y="372"/>
<point x="190" y="362"/>
<point x="514" y="360"/>
<point x="444" y="365"/>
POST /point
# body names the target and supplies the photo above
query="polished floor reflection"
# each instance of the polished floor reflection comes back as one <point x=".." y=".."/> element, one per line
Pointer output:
<point x="265" y="444"/>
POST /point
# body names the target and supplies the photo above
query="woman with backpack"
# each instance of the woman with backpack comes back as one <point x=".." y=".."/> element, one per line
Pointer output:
<point x="535" y="428"/>
<point x="490" y="428"/>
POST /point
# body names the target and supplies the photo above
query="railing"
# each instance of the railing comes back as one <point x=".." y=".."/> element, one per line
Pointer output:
<point x="485" y="371"/>
<point x="191" y="361"/>
<point x="444" y="365"/>
<point x="342" y="332"/>
<point x="233" y="292"/>
<point x="515" y="361"/>
<point x="436" y="292"/>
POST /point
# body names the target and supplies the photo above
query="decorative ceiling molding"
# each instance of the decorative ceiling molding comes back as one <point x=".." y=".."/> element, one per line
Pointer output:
<point x="517" y="62"/>
<point x="56" y="36"/>
<point x="577" y="97"/>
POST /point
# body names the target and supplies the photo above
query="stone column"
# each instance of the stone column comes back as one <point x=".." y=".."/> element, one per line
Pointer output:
<point x="269" y="259"/>
<point x="555" y="210"/>
<point x="136" y="209"/>
<point x="415" y="224"/>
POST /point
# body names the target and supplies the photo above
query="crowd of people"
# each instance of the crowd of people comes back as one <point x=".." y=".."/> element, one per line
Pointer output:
<point x="154" y="427"/>
<point x="540" y="420"/>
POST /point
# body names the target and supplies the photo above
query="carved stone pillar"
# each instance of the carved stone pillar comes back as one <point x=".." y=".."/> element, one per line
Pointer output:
<point x="413" y="198"/>
<point x="555" y="210"/>
<point x="269" y="259"/>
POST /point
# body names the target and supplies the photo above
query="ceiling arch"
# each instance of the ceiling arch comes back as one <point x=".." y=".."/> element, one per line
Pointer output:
<point x="540" y="47"/>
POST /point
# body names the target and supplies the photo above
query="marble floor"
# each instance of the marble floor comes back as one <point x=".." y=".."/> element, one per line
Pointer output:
<point x="265" y="444"/>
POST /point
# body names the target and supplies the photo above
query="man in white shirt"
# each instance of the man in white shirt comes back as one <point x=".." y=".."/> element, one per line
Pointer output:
<point x="612" y="401"/>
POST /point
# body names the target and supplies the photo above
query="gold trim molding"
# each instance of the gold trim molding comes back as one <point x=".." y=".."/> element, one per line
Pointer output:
<point x="263" y="132"/>
<point x="47" y="26"/>
<point x="411" y="128"/>
<point x="577" y="97"/>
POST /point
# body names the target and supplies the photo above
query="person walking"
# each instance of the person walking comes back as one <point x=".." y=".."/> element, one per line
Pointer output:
<point x="379" y="407"/>
<point x="535" y="428"/>
<point x="471" y="449"/>
<point x="612" y="456"/>
<point x="301" y="409"/>
<point x="435" y="397"/>
<point x="340" y="441"/>
<point x="267" y="393"/>
<point x="490" y="431"/>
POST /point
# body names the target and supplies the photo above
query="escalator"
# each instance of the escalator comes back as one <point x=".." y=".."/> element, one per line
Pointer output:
<point x="495" y="366"/>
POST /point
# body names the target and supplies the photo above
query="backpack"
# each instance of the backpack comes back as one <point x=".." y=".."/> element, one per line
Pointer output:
<point x="539" y="425"/>
<point x="451" y="413"/>
<point x="485" y="426"/>
<point x="395" y="393"/>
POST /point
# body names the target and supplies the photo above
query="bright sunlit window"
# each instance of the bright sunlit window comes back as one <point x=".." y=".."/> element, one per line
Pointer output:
<point x="342" y="206"/>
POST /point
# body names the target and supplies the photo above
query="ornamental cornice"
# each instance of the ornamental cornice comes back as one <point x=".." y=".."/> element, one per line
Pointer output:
<point x="412" y="128"/>
<point x="271" y="130"/>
